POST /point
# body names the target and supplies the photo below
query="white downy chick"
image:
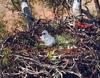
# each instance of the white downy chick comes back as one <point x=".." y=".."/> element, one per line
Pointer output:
<point x="47" y="39"/>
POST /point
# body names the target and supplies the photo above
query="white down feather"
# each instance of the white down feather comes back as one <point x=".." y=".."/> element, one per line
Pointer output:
<point x="47" y="39"/>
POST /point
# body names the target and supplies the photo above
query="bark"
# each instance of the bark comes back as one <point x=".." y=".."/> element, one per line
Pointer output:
<point x="76" y="8"/>
<point x="97" y="6"/>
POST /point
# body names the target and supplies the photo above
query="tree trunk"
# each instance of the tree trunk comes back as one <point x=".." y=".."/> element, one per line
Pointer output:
<point x="76" y="8"/>
<point x="97" y="8"/>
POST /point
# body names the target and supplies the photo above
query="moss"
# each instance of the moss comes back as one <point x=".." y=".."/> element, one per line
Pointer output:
<point x="65" y="40"/>
<point x="5" y="54"/>
<point x="3" y="33"/>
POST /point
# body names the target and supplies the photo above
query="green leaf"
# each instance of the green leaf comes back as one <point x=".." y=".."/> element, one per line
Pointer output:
<point x="5" y="61"/>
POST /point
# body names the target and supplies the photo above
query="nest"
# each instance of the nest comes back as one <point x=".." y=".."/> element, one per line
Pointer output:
<point x="23" y="56"/>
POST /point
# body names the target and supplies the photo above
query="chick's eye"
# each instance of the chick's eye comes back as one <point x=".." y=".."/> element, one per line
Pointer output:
<point x="43" y="33"/>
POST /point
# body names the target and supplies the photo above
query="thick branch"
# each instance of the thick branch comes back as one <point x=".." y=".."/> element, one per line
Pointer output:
<point x="97" y="8"/>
